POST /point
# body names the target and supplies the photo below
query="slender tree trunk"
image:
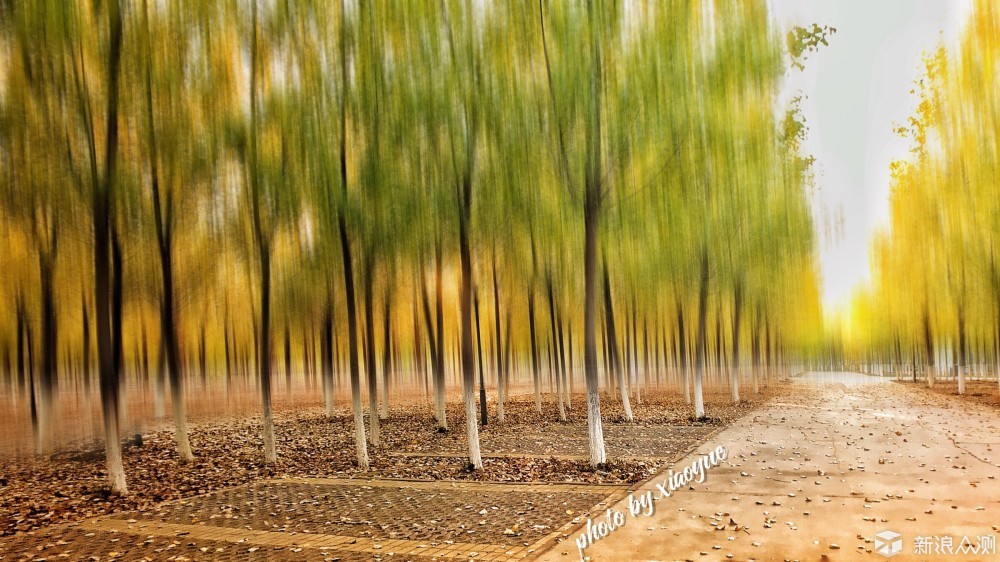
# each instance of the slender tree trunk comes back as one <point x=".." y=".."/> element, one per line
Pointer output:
<point x="595" y="430"/>
<point x="767" y="352"/>
<point x="735" y="365"/>
<point x="22" y="380"/>
<point x="483" y="416"/>
<point x="563" y="370"/>
<point x="288" y="358"/>
<point x="616" y="366"/>
<point x="33" y="384"/>
<point x="326" y="358"/>
<point x="755" y="352"/>
<point x="439" y="374"/>
<point x="591" y="222"/>
<point x="557" y="364"/>
<point x="170" y="346"/>
<point x="634" y="341"/>
<point x="48" y="379"/>
<point x="569" y="356"/>
<point x="159" y="385"/>
<point x="499" y="347"/>
<point x="435" y="336"/>
<point x="387" y="368"/>
<point x="264" y="259"/>
<point x="270" y="453"/>
<point x="144" y="354"/>
<point x="962" y="350"/>
<point x="103" y="196"/>
<point x="536" y="378"/>
<point x="506" y="358"/>
<point x="465" y="304"/>
<point x="645" y="351"/>
<point x="682" y="351"/>
<point x="700" y="349"/>
<point x="370" y="366"/>
<point x="229" y="352"/>
<point x="418" y="346"/>
<point x="719" y="368"/>
<point x="117" y="339"/>
<point x="86" y="348"/>
<point x="203" y="357"/>
<point x="360" y="442"/>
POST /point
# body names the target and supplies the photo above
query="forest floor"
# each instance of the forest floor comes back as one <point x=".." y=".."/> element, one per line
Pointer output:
<point x="535" y="480"/>
<point x="982" y="392"/>
<point x="853" y="467"/>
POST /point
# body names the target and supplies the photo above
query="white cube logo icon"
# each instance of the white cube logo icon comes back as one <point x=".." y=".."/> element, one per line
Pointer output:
<point x="888" y="543"/>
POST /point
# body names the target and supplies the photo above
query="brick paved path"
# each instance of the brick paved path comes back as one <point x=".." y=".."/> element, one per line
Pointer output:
<point x="330" y="519"/>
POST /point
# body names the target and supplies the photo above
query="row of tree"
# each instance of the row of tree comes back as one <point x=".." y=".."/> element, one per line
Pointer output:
<point x="936" y="287"/>
<point x="209" y="181"/>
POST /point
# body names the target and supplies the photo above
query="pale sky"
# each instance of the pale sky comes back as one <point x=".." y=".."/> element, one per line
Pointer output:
<point x="854" y="91"/>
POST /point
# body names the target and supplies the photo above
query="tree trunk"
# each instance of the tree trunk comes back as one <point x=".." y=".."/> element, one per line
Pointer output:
<point x="103" y="196"/>
<point x="536" y="378"/>
<point x="755" y="352"/>
<point x="170" y="347"/>
<point x="569" y="356"/>
<point x="360" y="441"/>
<point x="48" y="379"/>
<point x="499" y="346"/>
<point x="595" y="429"/>
<point x="386" y="353"/>
<point x="616" y="366"/>
<point x="465" y="305"/>
<point x="557" y="364"/>
<point x="962" y="350"/>
<point x="420" y="368"/>
<point x="563" y="370"/>
<point x="700" y="348"/>
<point x="86" y="348"/>
<point x="634" y="361"/>
<point x="326" y="358"/>
<point x="159" y="384"/>
<point x="682" y="351"/>
<point x="439" y="392"/>
<point x="370" y="366"/>
<point x="735" y="365"/>
<point x="288" y="358"/>
<point x="22" y="380"/>
<point x="483" y="416"/>
<point x="270" y="453"/>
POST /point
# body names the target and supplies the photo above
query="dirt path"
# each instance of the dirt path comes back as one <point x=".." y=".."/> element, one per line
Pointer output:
<point x="825" y="477"/>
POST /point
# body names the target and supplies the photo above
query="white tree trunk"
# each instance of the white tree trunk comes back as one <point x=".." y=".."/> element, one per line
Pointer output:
<point x="735" y="376"/>
<point x="595" y="431"/>
<point x="360" y="442"/>
<point x="699" y="399"/>
<point x="180" y="419"/>
<point x="623" y="390"/>
<point x="328" y="394"/>
<point x="472" y="426"/>
<point x="439" y="410"/>
<point x="113" y="452"/>
<point x="559" y="393"/>
<point x="270" y="452"/>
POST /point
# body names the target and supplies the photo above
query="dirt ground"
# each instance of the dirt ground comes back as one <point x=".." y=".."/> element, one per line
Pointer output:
<point x="70" y="486"/>
<point x="982" y="392"/>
